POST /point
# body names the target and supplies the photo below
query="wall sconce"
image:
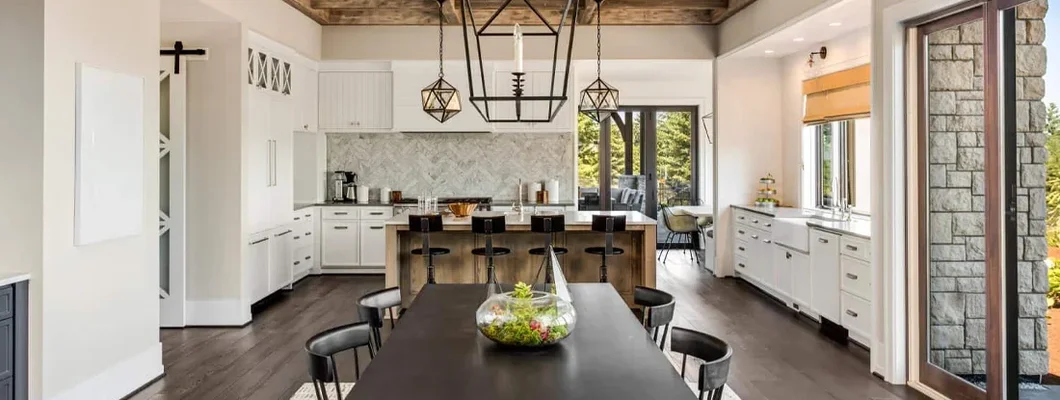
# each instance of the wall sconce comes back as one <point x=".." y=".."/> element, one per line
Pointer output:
<point x="823" y="54"/>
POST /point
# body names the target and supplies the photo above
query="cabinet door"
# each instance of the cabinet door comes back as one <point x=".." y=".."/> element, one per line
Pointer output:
<point x="356" y="101"/>
<point x="824" y="259"/>
<point x="258" y="267"/>
<point x="411" y="77"/>
<point x="564" y="120"/>
<point x="801" y="280"/>
<point x="280" y="272"/>
<point x="762" y="258"/>
<point x="258" y="176"/>
<point x="503" y="86"/>
<point x="304" y="96"/>
<point x="342" y="247"/>
<point x="782" y="271"/>
<point x="373" y="244"/>
<point x="281" y="197"/>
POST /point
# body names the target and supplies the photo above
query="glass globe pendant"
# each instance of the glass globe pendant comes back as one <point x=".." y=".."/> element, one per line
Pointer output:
<point x="599" y="99"/>
<point x="440" y="99"/>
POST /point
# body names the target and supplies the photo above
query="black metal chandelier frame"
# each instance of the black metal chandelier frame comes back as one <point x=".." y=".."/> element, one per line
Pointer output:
<point x="483" y="101"/>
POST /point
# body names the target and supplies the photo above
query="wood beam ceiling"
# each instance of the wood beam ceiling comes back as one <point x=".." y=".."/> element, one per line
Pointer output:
<point x="425" y="12"/>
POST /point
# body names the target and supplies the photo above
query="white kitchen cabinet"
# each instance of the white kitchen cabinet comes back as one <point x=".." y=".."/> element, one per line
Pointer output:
<point x="373" y="244"/>
<point x="564" y="120"/>
<point x="269" y="172"/>
<point x="281" y="272"/>
<point x="801" y="282"/>
<point x="341" y="247"/>
<point x="411" y="77"/>
<point x="258" y="266"/>
<point x="824" y="259"/>
<point x="304" y="93"/>
<point x="356" y="101"/>
<point x="761" y="258"/>
<point x="856" y="317"/>
<point x="782" y="272"/>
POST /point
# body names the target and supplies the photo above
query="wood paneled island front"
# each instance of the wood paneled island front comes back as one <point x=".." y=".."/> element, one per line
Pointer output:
<point x="635" y="267"/>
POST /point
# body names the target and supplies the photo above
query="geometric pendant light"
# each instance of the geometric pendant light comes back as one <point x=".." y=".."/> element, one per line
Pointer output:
<point x="440" y="99"/>
<point x="599" y="99"/>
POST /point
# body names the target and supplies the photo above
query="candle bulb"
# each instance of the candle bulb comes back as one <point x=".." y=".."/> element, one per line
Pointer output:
<point x="518" y="34"/>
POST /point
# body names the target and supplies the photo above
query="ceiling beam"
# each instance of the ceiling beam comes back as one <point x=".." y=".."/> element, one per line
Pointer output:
<point x="734" y="7"/>
<point x="449" y="12"/>
<point x="306" y="7"/>
<point x="587" y="13"/>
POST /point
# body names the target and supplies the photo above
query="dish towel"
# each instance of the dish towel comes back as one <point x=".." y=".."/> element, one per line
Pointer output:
<point x="306" y="392"/>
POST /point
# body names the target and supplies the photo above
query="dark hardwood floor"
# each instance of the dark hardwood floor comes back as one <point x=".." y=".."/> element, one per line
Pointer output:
<point x="777" y="355"/>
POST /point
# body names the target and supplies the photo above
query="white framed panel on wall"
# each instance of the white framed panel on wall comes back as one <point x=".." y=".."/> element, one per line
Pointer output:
<point x="109" y="165"/>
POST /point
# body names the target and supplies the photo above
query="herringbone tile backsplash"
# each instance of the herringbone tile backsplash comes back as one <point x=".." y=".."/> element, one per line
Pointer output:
<point x="455" y="164"/>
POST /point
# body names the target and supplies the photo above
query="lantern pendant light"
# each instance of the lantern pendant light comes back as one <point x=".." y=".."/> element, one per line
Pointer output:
<point x="440" y="99"/>
<point x="600" y="99"/>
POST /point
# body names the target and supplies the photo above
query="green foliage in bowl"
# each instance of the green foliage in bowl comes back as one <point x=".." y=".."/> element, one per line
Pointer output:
<point x="525" y="318"/>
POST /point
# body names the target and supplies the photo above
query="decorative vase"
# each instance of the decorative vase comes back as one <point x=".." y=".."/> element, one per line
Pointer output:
<point x="525" y="318"/>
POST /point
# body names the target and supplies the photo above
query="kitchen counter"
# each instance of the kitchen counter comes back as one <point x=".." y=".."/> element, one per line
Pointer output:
<point x="7" y="278"/>
<point x="636" y="267"/>
<point x="857" y="226"/>
<point x="299" y="206"/>
<point x="507" y="203"/>
<point x="571" y="218"/>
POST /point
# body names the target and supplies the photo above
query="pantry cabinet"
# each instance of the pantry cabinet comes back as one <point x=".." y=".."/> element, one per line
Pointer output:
<point x="356" y="101"/>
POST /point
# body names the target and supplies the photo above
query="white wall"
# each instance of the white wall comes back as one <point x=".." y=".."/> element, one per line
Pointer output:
<point x="762" y="18"/>
<point x="22" y="154"/>
<point x="849" y="51"/>
<point x="421" y="43"/>
<point x="748" y="140"/>
<point x="99" y="303"/>
<point x="214" y="167"/>
<point x="275" y="20"/>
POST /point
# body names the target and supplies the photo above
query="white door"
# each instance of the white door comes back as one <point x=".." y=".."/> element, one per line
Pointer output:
<point x="172" y="159"/>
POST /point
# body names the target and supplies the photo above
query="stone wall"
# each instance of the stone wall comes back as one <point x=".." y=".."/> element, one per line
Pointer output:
<point x="956" y="195"/>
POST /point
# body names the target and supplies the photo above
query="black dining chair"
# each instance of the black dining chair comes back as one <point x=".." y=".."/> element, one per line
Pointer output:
<point x="322" y="348"/>
<point x="376" y="305"/>
<point x="713" y="352"/>
<point x="657" y="307"/>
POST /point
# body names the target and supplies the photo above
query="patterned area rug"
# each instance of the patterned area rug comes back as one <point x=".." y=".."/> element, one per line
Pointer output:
<point x="728" y="394"/>
<point x="306" y="392"/>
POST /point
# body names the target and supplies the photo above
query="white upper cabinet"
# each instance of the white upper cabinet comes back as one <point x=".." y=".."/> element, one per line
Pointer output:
<point x="356" y="101"/>
<point x="304" y="90"/>
<point x="411" y="77"/>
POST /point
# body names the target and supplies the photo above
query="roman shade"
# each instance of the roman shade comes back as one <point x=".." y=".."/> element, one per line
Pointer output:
<point x="840" y="95"/>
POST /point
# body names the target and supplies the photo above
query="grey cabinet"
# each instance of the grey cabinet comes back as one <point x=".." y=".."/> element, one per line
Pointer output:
<point x="14" y="344"/>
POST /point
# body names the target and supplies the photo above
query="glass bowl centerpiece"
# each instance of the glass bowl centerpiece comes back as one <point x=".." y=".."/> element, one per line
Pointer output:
<point x="525" y="318"/>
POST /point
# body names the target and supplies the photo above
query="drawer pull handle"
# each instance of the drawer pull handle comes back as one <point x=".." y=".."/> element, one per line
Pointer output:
<point x="822" y="240"/>
<point x="342" y="228"/>
<point x="342" y="213"/>
<point x="754" y="221"/>
<point x="309" y="233"/>
<point x="852" y="276"/>
<point x="741" y="249"/>
<point x="754" y="236"/>
<point x="288" y="231"/>
<point x="308" y="215"/>
<point x="769" y="225"/>
<point x="308" y="257"/>
<point x="297" y="218"/>
<point x="297" y="262"/>
<point x="376" y="213"/>
<point x="741" y="265"/>
<point x="852" y="314"/>
<point x="741" y="232"/>
<point x="767" y="241"/>
<point x="297" y="237"/>
<point x="375" y="227"/>
<point x="259" y="241"/>
<point x="852" y="248"/>
<point x="740" y="218"/>
<point x="787" y="255"/>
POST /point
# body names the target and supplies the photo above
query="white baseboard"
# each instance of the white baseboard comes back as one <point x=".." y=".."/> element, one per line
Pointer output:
<point x="120" y="380"/>
<point x="218" y="313"/>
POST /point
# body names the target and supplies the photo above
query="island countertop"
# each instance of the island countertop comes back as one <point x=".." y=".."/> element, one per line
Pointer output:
<point x="571" y="218"/>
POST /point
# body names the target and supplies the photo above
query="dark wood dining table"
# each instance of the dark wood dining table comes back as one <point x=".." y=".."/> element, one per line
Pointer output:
<point x="436" y="352"/>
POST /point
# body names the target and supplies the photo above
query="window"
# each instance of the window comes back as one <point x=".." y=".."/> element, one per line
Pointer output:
<point x="838" y="164"/>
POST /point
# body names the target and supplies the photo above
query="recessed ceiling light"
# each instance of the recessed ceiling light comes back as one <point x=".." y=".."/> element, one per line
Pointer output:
<point x="799" y="39"/>
<point x="835" y="24"/>
<point x="769" y="51"/>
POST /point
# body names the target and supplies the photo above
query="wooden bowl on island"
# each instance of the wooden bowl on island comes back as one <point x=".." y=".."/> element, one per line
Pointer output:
<point x="462" y="210"/>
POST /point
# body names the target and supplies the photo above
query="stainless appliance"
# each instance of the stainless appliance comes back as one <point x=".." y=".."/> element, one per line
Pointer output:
<point x="338" y="186"/>
<point x="351" y="186"/>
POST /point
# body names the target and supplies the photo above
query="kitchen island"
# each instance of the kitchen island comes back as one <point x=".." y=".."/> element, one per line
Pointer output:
<point x="634" y="268"/>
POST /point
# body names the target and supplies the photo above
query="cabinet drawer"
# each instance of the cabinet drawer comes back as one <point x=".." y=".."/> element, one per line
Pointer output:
<point x="742" y="266"/>
<point x="857" y="315"/>
<point x="856" y="277"/>
<point x="7" y="302"/>
<point x="855" y="247"/>
<point x="741" y="248"/>
<point x="377" y="213"/>
<point x="742" y="232"/>
<point x="7" y="388"/>
<point x="753" y="219"/>
<point x="7" y="348"/>
<point x="305" y="215"/>
<point x="342" y="213"/>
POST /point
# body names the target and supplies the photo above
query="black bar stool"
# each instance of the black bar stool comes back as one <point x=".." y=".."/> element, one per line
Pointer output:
<point x="548" y="225"/>
<point x="608" y="225"/>
<point x="426" y="224"/>
<point x="488" y="226"/>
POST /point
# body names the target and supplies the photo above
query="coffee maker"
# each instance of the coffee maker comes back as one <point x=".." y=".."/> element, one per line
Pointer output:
<point x="338" y="186"/>
<point x="351" y="186"/>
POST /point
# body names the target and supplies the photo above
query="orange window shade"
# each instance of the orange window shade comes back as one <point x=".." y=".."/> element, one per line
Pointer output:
<point x="839" y="95"/>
